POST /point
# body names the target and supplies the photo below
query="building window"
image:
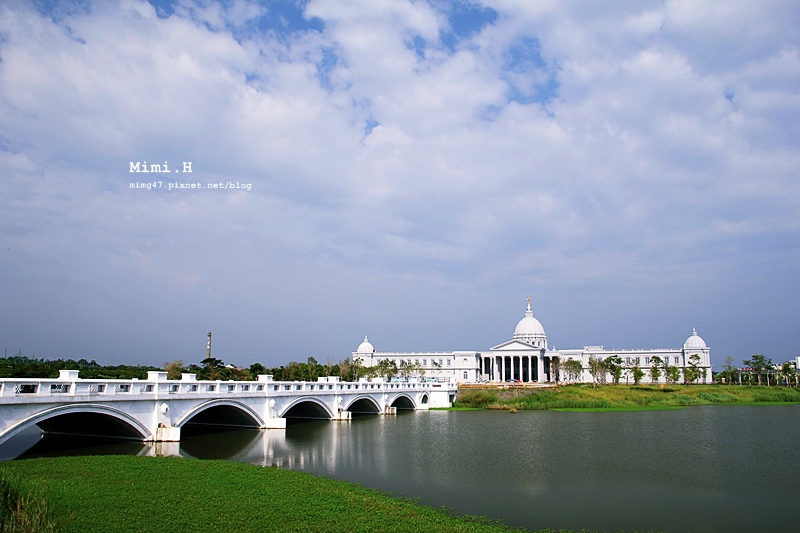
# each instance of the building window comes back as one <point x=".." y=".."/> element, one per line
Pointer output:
<point x="647" y="360"/>
<point x="449" y="362"/>
<point x="424" y="362"/>
<point x="677" y="360"/>
<point x="466" y="376"/>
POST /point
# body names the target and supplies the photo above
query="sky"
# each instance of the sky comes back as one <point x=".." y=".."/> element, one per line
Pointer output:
<point x="410" y="171"/>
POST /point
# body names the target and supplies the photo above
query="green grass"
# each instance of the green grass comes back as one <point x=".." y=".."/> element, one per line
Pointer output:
<point x="631" y="398"/>
<point x="125" y="493"/>
<point x="23" y="507"/>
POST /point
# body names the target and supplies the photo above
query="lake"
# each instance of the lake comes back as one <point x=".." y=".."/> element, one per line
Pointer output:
<point x="700" y="469"/>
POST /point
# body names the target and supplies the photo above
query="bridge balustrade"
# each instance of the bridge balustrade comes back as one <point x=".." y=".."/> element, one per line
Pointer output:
<point x="49" y="387"/>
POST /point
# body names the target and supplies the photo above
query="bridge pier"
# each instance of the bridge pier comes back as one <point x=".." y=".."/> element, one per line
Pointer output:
<point x="343" y="416"/>
<point x="167" y="433"/>
<point x="274" y="423"/>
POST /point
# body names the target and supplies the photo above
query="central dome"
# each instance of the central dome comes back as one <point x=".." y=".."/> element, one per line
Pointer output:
<point x="530" y="330"/>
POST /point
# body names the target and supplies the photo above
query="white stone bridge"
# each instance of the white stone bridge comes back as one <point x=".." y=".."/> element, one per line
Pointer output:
<point x="156" y="409"/>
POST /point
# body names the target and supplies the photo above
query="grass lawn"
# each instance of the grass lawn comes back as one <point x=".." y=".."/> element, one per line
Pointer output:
<point x="630" y="398"/>
<point x="167" y="494"/>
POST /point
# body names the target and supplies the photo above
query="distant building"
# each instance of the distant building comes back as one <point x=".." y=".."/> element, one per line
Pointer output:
<point x="527" y="358"/>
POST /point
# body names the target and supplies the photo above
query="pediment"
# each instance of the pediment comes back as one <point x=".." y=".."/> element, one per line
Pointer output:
<point x="515" y="346"/>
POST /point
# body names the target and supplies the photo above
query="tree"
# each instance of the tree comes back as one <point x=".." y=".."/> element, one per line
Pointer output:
<point x="614" y="367"/>
<point x="555" y="366"/>
<point x="212" y="368"/>
<point x="312" y="369"/>
<point x="256" y="369"/>
<point x="345" y="368"/>
<point x="598" y="370"/>
<point x="634" y="371"/>
<point x="174" y="369"/>
<point x="387" y="368"/>
<point x="787" y="371"/>
<point x="573" y="369"/>
<point x="729" y="371"/>
<point x="655" y="368"/>
<point x="672" y="374"/>
<point x="356" y="367"/>
<point x="759" y="364"/>
<point x="691" y="372"/>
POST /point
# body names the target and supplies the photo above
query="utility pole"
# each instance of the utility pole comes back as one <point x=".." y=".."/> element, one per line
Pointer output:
<point x="208" y="346"/>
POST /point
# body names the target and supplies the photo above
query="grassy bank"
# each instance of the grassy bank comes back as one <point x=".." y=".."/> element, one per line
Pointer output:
<point x="627" y="398"/>
<point x="122" y="493"/>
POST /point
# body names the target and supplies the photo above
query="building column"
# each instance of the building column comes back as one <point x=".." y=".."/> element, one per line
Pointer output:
<point x="540" y="368"/>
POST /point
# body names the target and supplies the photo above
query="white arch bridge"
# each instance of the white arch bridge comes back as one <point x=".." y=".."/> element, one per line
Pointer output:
<point x="156" y="409"/>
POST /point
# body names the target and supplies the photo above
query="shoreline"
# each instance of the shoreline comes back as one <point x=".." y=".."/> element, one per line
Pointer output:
<point x="578" y="397"/>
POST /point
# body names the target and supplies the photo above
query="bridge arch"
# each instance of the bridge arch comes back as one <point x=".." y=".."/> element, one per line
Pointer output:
<point x="235" y="414"/>
<point x="103" y="420"/>
<point x="363" y="404"/>
<point x="306" y="408"/>
<point x="403" y="401"/>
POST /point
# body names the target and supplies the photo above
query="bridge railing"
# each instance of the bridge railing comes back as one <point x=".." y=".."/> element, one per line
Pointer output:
<point x="157" y="385"/>
<point x="353" y="386"/>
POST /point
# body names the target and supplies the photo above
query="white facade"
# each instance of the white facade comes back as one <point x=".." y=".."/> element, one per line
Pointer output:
<point x="450" y="367"/>
<point x="526" y="358"/>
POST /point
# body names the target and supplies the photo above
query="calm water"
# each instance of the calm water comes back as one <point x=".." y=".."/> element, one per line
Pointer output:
<point x="714" y="468"/>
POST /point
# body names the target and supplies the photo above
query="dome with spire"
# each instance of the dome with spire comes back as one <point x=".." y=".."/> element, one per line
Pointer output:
<point x="365" y="347"/>
<point x="695" y="342"/>
<point x="530" y="330"/>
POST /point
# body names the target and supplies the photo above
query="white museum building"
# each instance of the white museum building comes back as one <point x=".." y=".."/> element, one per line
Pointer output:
<point x="527" y="358"/>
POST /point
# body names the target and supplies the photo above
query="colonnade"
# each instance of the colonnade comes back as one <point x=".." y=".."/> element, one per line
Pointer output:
<point x="525" y="368"/>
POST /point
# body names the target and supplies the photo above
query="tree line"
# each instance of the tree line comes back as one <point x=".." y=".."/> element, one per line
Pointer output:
<point x="759" y="370"/>
<point x="210" y="368"/>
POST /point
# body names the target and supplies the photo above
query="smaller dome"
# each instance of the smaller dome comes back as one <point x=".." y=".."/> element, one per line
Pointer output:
<point x="695" y="342"/>
<point x="365" y="347"/>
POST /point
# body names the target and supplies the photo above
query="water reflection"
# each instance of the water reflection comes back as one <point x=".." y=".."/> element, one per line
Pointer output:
<point x="690" y="470"/>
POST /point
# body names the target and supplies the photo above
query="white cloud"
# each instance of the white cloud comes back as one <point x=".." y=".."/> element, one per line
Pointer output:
<point x="383" y="174"/>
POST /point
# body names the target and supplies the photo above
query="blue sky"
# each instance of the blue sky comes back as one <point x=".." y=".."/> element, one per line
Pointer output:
<point x="415" y="170"/>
